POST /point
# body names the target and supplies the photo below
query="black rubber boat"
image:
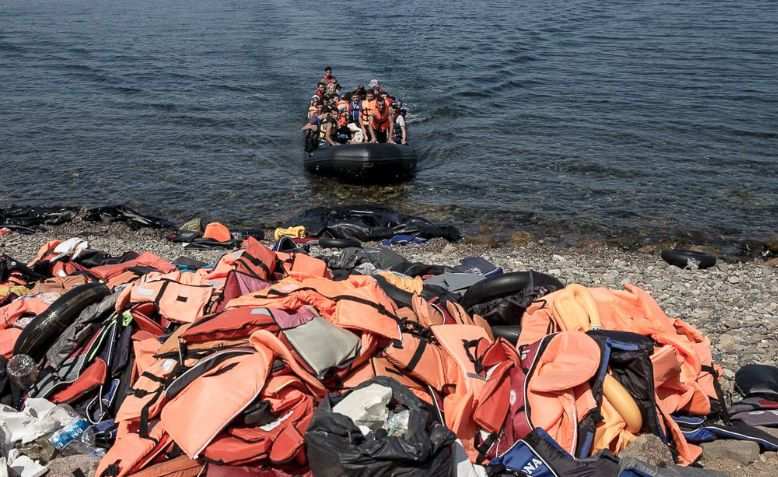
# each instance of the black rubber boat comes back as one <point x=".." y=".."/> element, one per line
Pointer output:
<point x="375" y="163"/>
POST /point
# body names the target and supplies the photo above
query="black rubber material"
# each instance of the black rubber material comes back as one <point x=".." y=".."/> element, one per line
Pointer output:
<point x="45" y="328"/>
<point x="363" y="163"/>
<point x="507" y="284"/>
<point x="326" y="242"/>
<point x="758" y="380"/>
<point x="680" y="258"/>
<point x="509" y="332"/>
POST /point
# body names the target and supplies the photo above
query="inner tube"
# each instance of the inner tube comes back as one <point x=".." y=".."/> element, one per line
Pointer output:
<point x="509" y="332"/>
<point x="44" y="329"/>
<point x="508" y="284"/>
<point x="623" y="403"/>
<point x="685" y="258"/>
<point x="326" y="242"/>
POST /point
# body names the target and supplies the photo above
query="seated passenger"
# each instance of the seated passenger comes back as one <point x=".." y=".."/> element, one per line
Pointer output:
<point x="315" y="108"/>
<point x="355" y="107"/>
<point x="342" y="133"/>
<point x="381" y="124"/>
<point x="320" y="90"/>
<point x="331" y="90"/>
<point x="343" y="103"/>
<point x="312" y="130"/>
<point x="400" y="126"/>
<point x="327" y="126"/>
<point x="368" y="107"/>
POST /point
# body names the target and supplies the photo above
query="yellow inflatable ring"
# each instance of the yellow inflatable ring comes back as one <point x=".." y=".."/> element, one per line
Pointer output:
<point x="623" y="403"/>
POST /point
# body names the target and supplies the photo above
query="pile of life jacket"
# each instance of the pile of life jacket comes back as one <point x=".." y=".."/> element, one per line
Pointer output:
<point x="220" y="370"/>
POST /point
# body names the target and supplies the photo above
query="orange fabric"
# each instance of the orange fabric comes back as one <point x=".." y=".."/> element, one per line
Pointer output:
<point x="611" y="432"/>
<point x="427" y="314"/>
<point x="279" y="441"/>
<point x="130" y="451"/>
<point x="368" y="107"/>
<point x="144" y="345"/>
<point x="430" y="368"/>
<point x="497" y="358"/>
<point x="193" y="418"/>
<point x="218" y="232"/>
<point x="254" y="259"/>
<point x="44" y="250"/>
<point x="24" y="306"/>
<point x="635" y="311"/>
<point x="380" y="366"/>
<point x="301" y="266"/>
<point x="679" y="354"/>
<point x="146" y="259"/>
<point x="180" y="296"/>
<point x="356" y="303"/>
<point x="90" y="378"/>
<point x="131" y="407"/>
<point x="558" y="390"/>
<point x="264" y="339"/>
<point x="459" y="405"/>
<point x="59" y="284"/>
<point x="8" y="339"/>
<point x="380" y="121"/>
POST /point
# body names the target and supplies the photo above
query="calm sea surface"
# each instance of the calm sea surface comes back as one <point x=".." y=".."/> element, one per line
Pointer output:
<point x="608" y="118"/>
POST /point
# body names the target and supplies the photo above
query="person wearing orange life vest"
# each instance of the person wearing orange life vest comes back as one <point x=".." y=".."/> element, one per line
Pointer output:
<point x="315" y="107"/>
<point x="381" y="124"/>
<point x="368" y="107"/>
<point x="342" y="131"/>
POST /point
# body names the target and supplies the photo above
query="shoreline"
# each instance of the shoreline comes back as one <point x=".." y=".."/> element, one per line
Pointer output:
<point x="499" y="233"/>
<point x="734" y="304"/>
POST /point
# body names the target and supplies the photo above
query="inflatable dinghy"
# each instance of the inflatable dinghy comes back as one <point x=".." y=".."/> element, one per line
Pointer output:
<point x="363" y="162"/>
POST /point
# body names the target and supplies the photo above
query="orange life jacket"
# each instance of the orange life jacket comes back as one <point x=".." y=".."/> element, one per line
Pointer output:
<point x="356" y="303"/>
<point x="253" y="259"/>
<point x="381" y="121"/>
<point x="146" y="259"/>
<point x="179" y="296"/>
<point x="682" y="360"/>
<point x="416" y="354"/>
<point x="368" y="108"/>
<point x="459" y="405"/>
<point x="633" y="310"/>
<point x="300" y="265"/>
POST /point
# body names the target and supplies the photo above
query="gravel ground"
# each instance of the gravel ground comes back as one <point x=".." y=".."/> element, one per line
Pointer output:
<point x="734" y="304"/>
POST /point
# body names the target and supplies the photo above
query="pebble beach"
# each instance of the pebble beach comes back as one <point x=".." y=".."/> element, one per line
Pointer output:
<point x="734" y="304"/>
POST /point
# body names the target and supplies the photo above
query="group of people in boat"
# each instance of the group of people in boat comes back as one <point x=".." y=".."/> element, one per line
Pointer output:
<point x="365" y="115"/>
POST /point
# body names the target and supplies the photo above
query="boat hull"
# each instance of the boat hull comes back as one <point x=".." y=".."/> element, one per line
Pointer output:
<point x="374" y="163"/>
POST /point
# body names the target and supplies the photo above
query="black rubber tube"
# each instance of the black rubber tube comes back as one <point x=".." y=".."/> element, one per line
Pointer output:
<point x="326" y="242"/>
<point x="684" y="258"/>
<point x="45" y="328"/>
<point x="509" y="332"/>
<point x="508" y="284"/>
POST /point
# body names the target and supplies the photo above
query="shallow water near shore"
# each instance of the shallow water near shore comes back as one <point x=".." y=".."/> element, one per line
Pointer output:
<point x="612" y="120"/>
